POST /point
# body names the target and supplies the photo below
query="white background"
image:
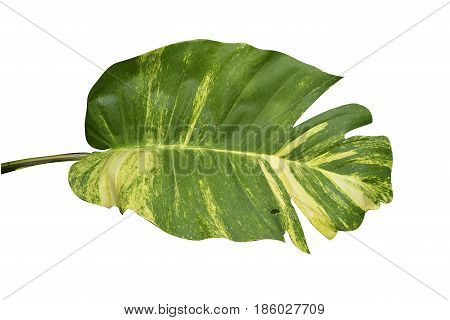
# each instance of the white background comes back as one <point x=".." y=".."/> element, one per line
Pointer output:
<point x="43" y="90"/>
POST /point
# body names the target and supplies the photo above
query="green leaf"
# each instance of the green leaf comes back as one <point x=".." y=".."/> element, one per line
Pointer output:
<point x="201" y="143"/>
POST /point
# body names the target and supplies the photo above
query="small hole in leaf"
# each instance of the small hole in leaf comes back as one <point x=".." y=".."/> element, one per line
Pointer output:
<point x="274" y="211"/>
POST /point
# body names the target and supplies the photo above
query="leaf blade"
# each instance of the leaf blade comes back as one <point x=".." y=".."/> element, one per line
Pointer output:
<point x="201" y="182"/>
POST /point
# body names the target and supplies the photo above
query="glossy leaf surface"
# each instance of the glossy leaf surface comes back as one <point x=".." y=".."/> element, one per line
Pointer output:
<point x="201" y="143"/>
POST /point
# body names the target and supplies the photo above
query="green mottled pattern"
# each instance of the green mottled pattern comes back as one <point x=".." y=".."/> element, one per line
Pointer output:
<point x="151" y="113"/>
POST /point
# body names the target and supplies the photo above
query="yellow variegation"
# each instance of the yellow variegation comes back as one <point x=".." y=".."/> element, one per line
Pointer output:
<point x="201" y="143"/>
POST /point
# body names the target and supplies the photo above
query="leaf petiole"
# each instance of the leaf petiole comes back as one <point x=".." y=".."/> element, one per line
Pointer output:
<point x="29" y="162"/>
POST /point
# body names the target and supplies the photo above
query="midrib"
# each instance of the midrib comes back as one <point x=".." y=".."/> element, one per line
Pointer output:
<point x="199" y="148"/>
<point x="271" y="158"/>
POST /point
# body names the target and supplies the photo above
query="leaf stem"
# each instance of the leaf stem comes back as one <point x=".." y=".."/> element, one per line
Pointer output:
<point x="24" y="163"/>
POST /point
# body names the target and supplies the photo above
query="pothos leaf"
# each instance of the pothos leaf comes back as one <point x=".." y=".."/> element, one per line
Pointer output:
<point x="202" y="144"/>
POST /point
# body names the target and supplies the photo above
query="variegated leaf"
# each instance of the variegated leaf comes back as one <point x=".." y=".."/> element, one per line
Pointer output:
<point x="201" y="143"/>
